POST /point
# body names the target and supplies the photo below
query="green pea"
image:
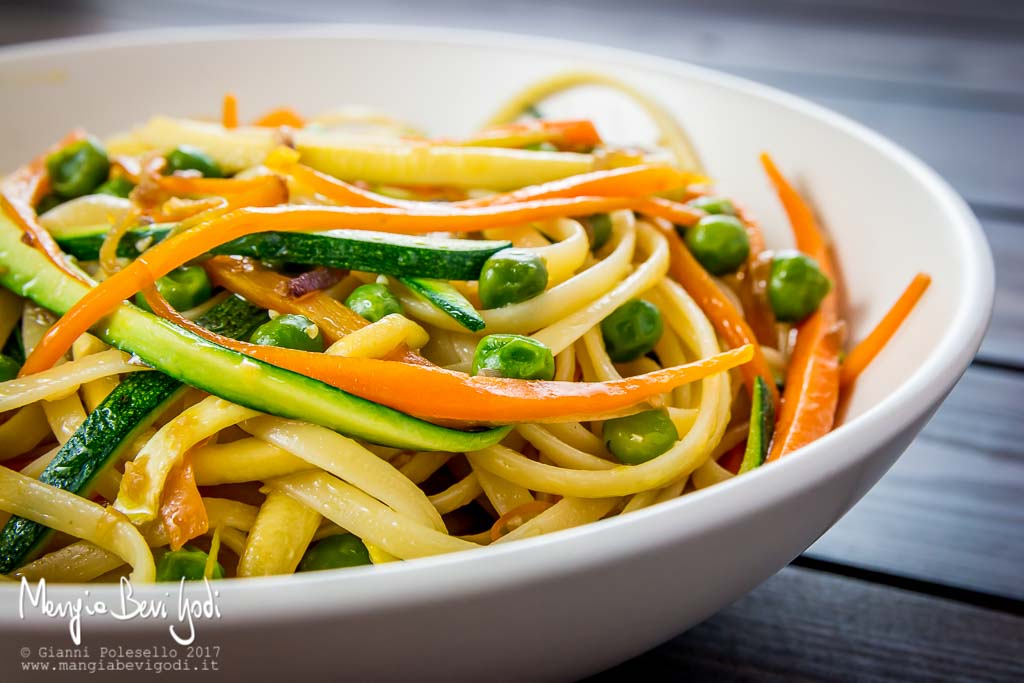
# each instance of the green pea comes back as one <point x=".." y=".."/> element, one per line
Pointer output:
<point x="290" y="332"/>
<point x="184" y="288"/>
<point x="511" y="276"/>
<point x="189" y="158"/>
<point x="9" y="368"/>
<point x="373" y="302"/>
<point x="47" y="202"/>
<point x="714" y="205"/>
<point x="719" y="243"/>
<point x="117" y="187"/>
<point x="188" y="563"/>
<point x="335" y="552"/>
<point x="599" y="229"/>
<point x="635" y="439"/>
<point x="796" y="286"/>
<point x="631" y="330"/>
<point x="515" y="356"/>
<point x="78" y="169"/>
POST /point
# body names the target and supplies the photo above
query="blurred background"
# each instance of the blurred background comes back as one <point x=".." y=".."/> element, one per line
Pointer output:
<point x="922" y="580"/>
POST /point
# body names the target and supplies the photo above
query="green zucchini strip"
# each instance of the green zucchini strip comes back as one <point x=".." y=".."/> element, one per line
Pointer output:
<point x="233" y="376"/>
<point x="374" y="252"/>
<point x="448" y="300"/>
<point x="115" y="424"/>
<point x="762" y="421"/>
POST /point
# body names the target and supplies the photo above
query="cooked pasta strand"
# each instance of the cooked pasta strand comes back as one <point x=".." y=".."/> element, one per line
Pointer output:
<point x="77" y="516"/>
<point x="366" y="517"/>
<point x="345" y="458"/>
<point x="249" y="459"/>
<point x="461" y="493"/>
<point x="282" y="531"/>
<point x="23" y="431"/>
<point x="63" y="379"/>
<point x="143" y="481"/>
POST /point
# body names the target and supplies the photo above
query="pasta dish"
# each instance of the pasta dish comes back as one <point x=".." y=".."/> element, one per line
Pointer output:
<point x="299" y="344"/>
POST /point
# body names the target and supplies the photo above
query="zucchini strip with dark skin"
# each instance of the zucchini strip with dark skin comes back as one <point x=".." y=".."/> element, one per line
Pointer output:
<point x="762" y="424"/>
<point x="389" y="254"/>
<point x="228" y="374"/>
<point x="122" y="416"/>
<point x="449" y="300"/>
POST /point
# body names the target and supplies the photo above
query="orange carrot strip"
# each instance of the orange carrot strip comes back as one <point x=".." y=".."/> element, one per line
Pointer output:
<point x="866" y="350"/>
<point x="443" y="394"/>
<point x="345" y="194"/>
<point x="229" y="111"/>
<point x="433" y="392"/>
<point x="182" y="511"/>
<point x="566" y="135"/>
<point x="282" y="116"/>
<point x="631" y="181"/>
<point x="812" y="378"/>
<point x="628" y="181"/>
<point x="718" y="308"/>
<point x="268" y="190"/>
<point x="185" y="246"/>
<point x="676" y="213"/>
<point x="222" y="187"/>
<point x="265" y="288"/>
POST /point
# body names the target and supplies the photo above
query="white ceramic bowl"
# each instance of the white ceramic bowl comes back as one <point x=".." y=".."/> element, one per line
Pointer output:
<point x="577" y="601"/>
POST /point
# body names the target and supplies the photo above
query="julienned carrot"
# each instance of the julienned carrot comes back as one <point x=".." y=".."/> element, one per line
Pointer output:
<point x="282" y="116"/>
<point x="630" y="181"/>
<point x="718" y="308"/>
<point x="181" y="248"/>
<point x="434" y="392"/>
<point x="866" y="350"/>
<point x="222" y="187"/>
<point x="573" y="135"/>
<point x="285" y="162"/>
<point x="812" y="378"/>
<point x="672" y="211"/>
<point x="182" y="512"/>
<point x="265" y="288"/>
<point x="220" y="196"/>
<point x="229" y="111"/>
<point x="19" y="194"/>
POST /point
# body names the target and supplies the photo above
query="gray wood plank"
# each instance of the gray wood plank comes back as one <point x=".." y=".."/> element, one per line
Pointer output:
<point x="950" y="510"/>
<point x="803" y="625"/>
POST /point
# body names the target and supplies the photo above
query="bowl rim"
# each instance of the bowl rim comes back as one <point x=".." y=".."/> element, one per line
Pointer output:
<point x="427" y="580"/>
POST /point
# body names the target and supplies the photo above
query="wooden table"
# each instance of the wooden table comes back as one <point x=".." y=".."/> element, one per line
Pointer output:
<point x="924" y="579"/>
